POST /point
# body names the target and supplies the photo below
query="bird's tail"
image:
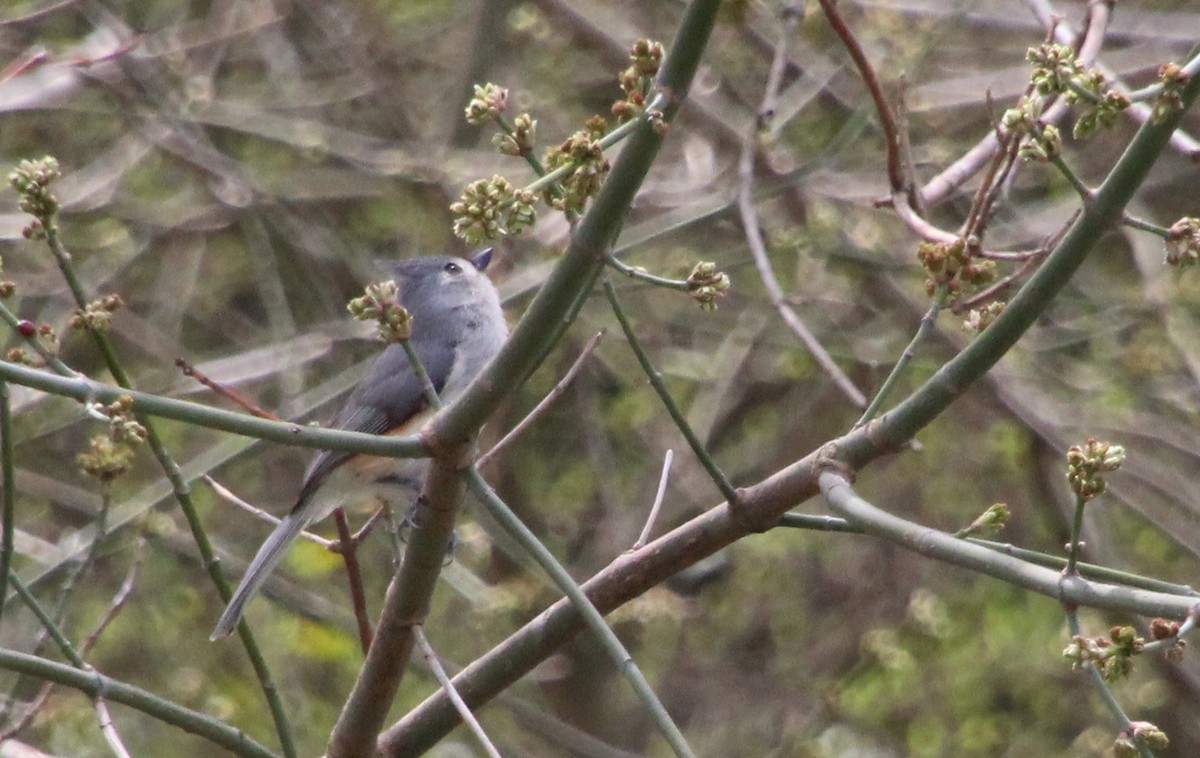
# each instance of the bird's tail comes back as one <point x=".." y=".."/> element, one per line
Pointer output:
<point x="268" y="557"/>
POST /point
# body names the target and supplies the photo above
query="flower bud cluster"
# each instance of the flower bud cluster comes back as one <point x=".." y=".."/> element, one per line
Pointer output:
<point x="706" y="284"/>
<point x="520" y="140"/>
<point x="1183" y="242"/>
<point x="951" y="265"/>
<point x="489" y="102"/>
<point x="1128" y="742"/>
<point x="979" y="319"/>
<point x="1112" y="655"/>
<point x="582" y="154"/>
<point x="637" y="80"/>
<point x="1170" y="98"/>
<point x="378" y="303"/>
<point x="97" y="315"/>
<point x="1086" y="464"/>
<point x="110" y="455"/>
<point x="32" y="180"/>
<point x="491" y="208"/>
<point x="1057" y="70"/>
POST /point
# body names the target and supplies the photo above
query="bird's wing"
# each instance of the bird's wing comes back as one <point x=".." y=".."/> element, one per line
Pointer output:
<point x="383" y="402"/>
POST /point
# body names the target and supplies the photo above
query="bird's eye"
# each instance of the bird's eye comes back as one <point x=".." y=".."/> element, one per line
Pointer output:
<point x="452" y="267"/>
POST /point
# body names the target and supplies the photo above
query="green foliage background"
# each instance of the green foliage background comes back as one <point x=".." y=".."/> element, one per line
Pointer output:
<point x="233" y="174"/>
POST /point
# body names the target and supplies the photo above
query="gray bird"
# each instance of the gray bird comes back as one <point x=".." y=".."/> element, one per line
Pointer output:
<point x="457" y="326"/>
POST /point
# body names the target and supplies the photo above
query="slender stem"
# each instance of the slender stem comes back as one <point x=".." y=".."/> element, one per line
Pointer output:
<point x="348" y="547"/>
<point x="94" y="684"/>
<point x="644" y="537"/>
<point x="182" y="495"/>
<point x="931" y="543"/>
<point x="634" y="272"/>
<point x="656" y="380"/>
<point x="86" y="390"/>
<point x="52" y="360"/>
<point x="592" y="617"/>
<point x="48" y="624"/>
<point x="109" y="729"/>
<point x="460" y="705"/>
<point x="1074" y="546"/>
<point x="1072" y="178"/>
<point x="1106" y="695"/>
<point x="923" y="329"/>
<point x="8" y="472"/>
<point x="1087" y="570"/>
<point x="818" y="523"/>
<point x="427" y="388"/>
<point x="1133" y="222"/>
<point x="545" y="403"/>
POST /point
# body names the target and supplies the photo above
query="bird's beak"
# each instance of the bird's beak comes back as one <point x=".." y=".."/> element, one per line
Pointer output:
<point x="482" y="259"/>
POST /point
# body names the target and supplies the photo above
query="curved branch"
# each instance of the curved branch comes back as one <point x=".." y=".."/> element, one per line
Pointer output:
<point x="931" y="543"/>
<point x="94" y="685"/>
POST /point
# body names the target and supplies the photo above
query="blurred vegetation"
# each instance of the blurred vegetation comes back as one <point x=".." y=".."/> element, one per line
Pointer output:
<point x="234" y="168"/>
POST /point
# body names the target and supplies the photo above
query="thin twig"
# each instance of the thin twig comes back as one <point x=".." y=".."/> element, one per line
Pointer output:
<point x="923" y="329"/>
<point x="656" y="381"/>
<point x="1012" y="255"/>
<point x="124" y="592"/>
<point x="970" y="163"/>
<point x="460" y="705"/>
<point x="108" y="728"/>
<point x="366" y="528"/>
<point x="1087" y="570"/>
<point x="996" y="289"/>
<point x="52" y="360"/>
<point x="94" y="684"/>
<point x="644" y="537"/>
<point x="8" y="472"/>
<point x="226" y="494"/>
<point x="182" y="495"/>
<point x="545" y="403"/>
<point x="1110" y="701"/>
<point x="1133" y="222"/>
<point x="634" y="272"/>
<point x="1075" y="544"/>
<point x="977" y="212"/>
<point x="348" y="547"/>
<point x="1084" y="192"/>
<point x="28" y="60"/>
<point x="427" y="388"/>
<point x="887" y="120"/>
<point x="817" y="523"/>
<point x="191" y="371"/>
<point x="583" y="606"/>
<point x="344" y="545"/>
<point x="753" y="232"/>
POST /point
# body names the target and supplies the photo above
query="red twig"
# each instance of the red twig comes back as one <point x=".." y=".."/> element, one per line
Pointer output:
<point x="195" y="373"/>
<point x="887" y="119"/>
<point x="348" y="547"/>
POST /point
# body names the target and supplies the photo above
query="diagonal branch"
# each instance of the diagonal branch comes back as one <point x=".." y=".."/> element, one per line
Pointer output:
<point x="762" y="504"/>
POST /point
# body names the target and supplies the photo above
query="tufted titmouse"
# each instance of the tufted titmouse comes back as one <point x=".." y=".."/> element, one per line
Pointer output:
<point x="458" y="326"/>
